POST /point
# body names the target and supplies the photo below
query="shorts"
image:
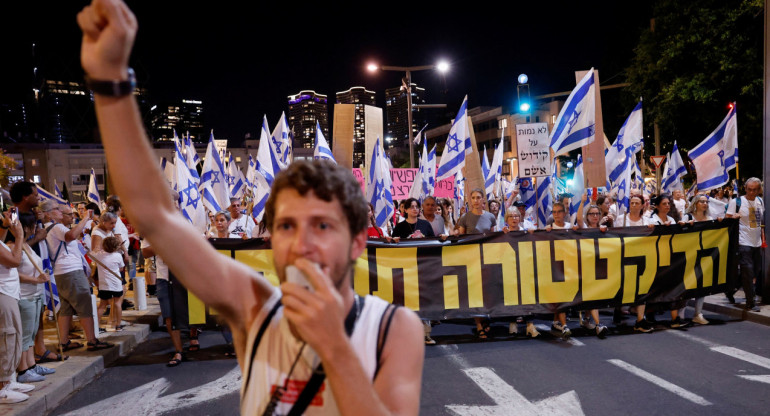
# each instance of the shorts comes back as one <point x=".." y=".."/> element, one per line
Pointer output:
<point x="109" y="294"/>
<point x="164" y="297"/>
<point x="10" y="336"/>
<point x="30" y="309"/>
<point x="74" y="294"/>
<point x="149" y="265"/>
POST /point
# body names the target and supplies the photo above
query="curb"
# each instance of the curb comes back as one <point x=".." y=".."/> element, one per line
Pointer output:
<point x="735" y="312"/>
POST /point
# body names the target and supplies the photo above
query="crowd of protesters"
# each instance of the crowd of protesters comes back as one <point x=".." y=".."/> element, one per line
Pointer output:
<point x="601" y="212"/>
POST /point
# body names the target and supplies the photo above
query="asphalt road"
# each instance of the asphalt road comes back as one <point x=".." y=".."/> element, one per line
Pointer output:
<point x="719" y="369"/>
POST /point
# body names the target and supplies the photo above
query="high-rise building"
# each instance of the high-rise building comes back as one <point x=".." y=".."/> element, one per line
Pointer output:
<point x="360" y="97"/>
<point x="67" y="112"/>
<point x="184" y="116"/>
<point x="396" y="121"/>
<point x="305" y="108"/>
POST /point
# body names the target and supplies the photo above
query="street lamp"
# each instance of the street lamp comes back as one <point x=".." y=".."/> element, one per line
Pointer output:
<point x="441" y="66"/>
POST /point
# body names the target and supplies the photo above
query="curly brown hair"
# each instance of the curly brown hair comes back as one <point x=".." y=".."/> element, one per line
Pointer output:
<point x="327" y="181"/>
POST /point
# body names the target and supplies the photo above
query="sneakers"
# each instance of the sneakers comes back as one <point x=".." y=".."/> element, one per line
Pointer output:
<point x="587" y="324"/>
<point x="43" y="371"/>
<point x="643" y="326"/>
<point x="8" y="396"/>
<point x="30" y="377"/>
<point x="753" y="308"/>
<point x="678" y="323"/>
<point x="429" y="340"/>
<point x="19" y="387"/>
<point x="513" y="329"/>
<point x="602" y="331"/>
<point x="532" y="331"/>
<point x="561" y="330"/>
<point x="699" y="319"/>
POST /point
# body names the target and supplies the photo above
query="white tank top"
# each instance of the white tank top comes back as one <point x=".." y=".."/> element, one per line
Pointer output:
<point x="278" y="350"/>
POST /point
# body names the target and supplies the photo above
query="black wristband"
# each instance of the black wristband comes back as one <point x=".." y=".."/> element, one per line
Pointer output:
<point x="112" y="88"/>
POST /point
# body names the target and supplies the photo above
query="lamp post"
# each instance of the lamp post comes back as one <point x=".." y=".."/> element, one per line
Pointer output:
<point x="441" y="67"/>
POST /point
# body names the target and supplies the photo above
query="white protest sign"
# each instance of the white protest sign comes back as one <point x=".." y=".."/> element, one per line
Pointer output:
<point x="534" y="154"/>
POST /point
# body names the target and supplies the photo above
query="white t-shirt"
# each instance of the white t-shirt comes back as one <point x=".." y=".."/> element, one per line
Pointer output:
<point x="244" y="224"/>
<point x="749" y="231"/>
<point x="9" y="278"/>
<point x="655" y="220"/>
<point x="69" y="258"/>
<point x="112" y="261"/>
<point x="566" y="226"/>
<point x="29" y="290"/>
<point x="680" y="204"/>
<point x="103" y="234"/>
<point x="643" y="221"/>
<point x="161" y="269"/>
<point x="121" y="232"/>
<point x="437" y="224"/>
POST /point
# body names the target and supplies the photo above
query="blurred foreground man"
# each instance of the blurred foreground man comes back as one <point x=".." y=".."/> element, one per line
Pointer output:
<point x="370" y="353"/>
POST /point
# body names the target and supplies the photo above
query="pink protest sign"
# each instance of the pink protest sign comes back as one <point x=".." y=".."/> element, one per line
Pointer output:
<point x="402" y="183"/>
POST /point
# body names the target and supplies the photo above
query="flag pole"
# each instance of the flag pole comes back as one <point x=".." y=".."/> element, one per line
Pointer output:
<point x="26" y="249"/>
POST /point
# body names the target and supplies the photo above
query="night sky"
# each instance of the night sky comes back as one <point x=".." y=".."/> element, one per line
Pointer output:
<point x="244" y="62"/>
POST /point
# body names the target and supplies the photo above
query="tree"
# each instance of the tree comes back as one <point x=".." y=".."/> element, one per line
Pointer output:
<point x="695" y="59"/>
<point x="7" y="164"/>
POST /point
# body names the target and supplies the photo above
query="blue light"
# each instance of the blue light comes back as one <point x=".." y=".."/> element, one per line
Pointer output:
<point x="524" y="107"/>
<point x="523" y="78"/>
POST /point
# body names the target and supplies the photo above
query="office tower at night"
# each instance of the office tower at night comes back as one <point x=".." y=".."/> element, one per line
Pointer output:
<point x="184" y="116"/>
<point x="396" y="121"/>
<point x="360" y="97"/>
<point x="305" y="108"/>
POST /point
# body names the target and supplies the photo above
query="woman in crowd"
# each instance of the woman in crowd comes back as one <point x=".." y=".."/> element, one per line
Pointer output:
<point x="10" y="319"/>
<point x="447" y="212"/>
<point x="373" y="231"/>
<point x="635" y="218"/>
<point x="106" y="228"/>
<point x="30" y="304"/>
<point x="604" y="202"/>
<point x="663" y="214"/>
<point x="698" y="212"/>
<point x="412" y="226"/>
<point x="593" y="219"/>
<point x="221" y="224"/>
<point x="110" y="263"/>
<point x="559" y="212"/>
<point x="512" y="224"/>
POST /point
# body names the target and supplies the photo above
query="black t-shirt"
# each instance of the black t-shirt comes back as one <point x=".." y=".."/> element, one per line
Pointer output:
<point x="405" y="229"/>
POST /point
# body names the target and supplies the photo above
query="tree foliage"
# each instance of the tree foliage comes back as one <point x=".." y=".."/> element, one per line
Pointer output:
<point x="7" y="164"/>
<point x="694" y="60"/>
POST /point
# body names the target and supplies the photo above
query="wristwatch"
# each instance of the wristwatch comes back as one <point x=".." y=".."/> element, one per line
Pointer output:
<point x="112" y="88"/>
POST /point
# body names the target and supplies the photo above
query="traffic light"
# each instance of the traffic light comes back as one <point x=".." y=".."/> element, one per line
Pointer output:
<point x="524" y="107"/>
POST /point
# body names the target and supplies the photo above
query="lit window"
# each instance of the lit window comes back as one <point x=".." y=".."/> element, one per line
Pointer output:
<point x="36" y="178"/>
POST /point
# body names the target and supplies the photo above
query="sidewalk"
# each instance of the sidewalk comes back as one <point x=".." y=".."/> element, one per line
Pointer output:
<point x="83" y="366"/>
<point x="718" y="303"/>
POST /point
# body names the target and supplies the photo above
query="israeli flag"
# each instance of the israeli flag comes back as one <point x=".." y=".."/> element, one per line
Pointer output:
<point x="378" y="186"/>
<point x="236" y="180"/>
<point x="93" y="192"/>
<point x="267" y="161"/>
<point x="50" y="290"/>
<point x="527" y="192"/>
<point x="56" y="190"/>
<point x="578" y="187"/>
<point x="544" y="200"/>
<point x="458" y="144"/>
<point x="492" y="178"/>
<point x="631" y="137"/>
<point x="47" y="195"/>
<point x="280" y="143"/>
<point x="261" y="192"/>
<point x="718" y="154"/>
<point x="675" y="169"/>
<point x="190" y="204"/>
<point x="623" y="183"/>
<point x="638" y="182"/>
<point x="213" y="186"/>
<point x="650" y="187"/>
<point x="428" y="170"/>
<point x="418" y="138"/>
<point x="485" y="164"/>
<point x="190" y="155"/>
<point x="459" y="193"/>
<point x="416" y="191"/>
<point x="576" y="124"/>
<point x="168" y="170"/>
<point x="322" y="150"/>
<point x="251" y="172"/>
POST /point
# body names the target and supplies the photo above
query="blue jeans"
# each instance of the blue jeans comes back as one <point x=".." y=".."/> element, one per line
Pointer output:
<point x="750" y="260"/>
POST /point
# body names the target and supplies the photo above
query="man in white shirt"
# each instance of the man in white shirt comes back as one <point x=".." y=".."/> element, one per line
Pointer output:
<point x="750" y="209"/>
<point x="429" y="214"/>
<point x="241" y="225"/>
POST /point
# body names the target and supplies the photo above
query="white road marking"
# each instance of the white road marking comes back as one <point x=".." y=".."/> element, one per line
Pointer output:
<point x="761" y="379"/>
<point x="743" y="355"/>
<point x="508" y="401"/>
<point x="452" y="352"/>
<point x="145" y="400"/>
<point x="673" y="388"/>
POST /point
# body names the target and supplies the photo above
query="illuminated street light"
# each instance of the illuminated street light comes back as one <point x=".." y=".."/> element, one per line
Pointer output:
<point x="372" y="67"/>
<point x="443" y="67"/>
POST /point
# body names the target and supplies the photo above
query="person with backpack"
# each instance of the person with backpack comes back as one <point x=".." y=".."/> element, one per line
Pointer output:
<point x="749" y="209"/>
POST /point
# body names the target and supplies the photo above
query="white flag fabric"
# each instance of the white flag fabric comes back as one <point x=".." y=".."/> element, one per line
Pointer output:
<point x="322" y="150"/>
<point x="56" y="190"/>
<point x="576" y="124"/>
<point x="429" y="172"/>
<point x="251" y="172"/>
<point x="492" y="178"/>
<point x="458" y="144"/>
<point x="378" y="186"/>
<point x="544" y="200"/>
<point x="47" y="195"/>
<point x="51" y="291"/>
<point x="527" y="192"/>
<point x="459" y="193"/>
<point x="213" y="186"/>
<point x="675" y="169"/>
<point x="415" y="191"/>
<point x="267" y="162"/>
<point x="418" y="138"/>
<point x="578" y="187"/>
<point x="638" y="182"/>
<point x="261" y="193"/>
<point x="280" y="143"/>
<point x="168" y="171"/>
<point x="717" y="154"/>
<point x="93" y="192"/>
<point x="485" y="164"/>
<point x="236" y="180"/>
<point x="630" y="136"/>
<point x="190" y="204"/>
